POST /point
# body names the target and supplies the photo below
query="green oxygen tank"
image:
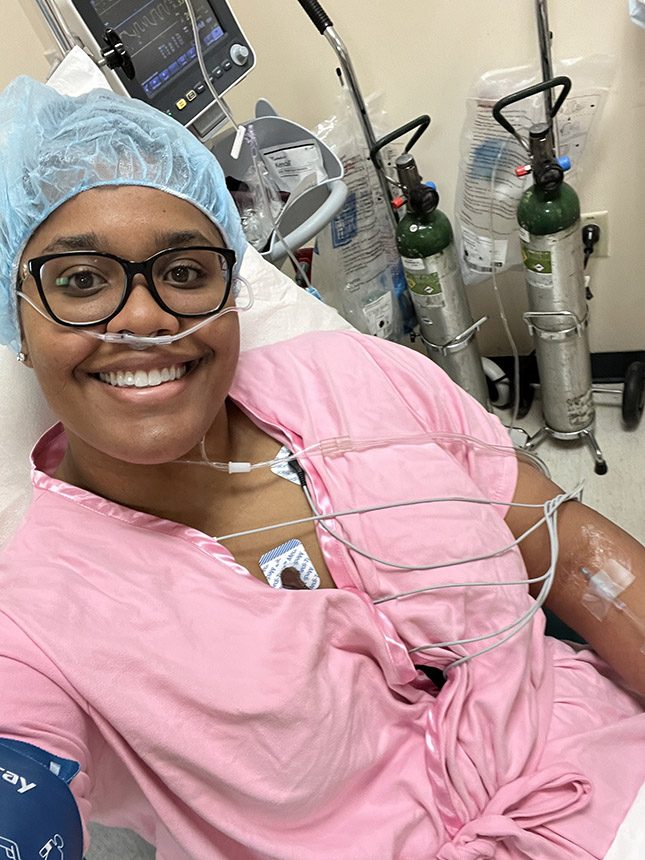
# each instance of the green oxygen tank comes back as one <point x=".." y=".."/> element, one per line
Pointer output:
<point x="424" y="239"/>
<point x="552" y="252"/>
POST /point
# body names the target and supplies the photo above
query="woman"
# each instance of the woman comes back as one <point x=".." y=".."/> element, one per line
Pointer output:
<point x="156" y="666"/>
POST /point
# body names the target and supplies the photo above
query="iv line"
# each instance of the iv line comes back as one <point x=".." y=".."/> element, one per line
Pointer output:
<point x="551" y="524"/>
<point x="498" y="296"/>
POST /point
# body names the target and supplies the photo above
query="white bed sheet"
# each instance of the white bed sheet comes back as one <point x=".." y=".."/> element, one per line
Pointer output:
<point x="629" y="842"/>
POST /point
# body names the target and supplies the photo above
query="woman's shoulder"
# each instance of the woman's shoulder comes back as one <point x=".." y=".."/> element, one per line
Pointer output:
<point x="341" y="356"/>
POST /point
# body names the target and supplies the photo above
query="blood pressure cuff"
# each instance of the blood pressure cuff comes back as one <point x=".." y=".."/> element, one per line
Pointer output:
<point x="39" y="818"/>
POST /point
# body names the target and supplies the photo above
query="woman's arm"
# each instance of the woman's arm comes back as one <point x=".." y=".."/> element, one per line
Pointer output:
<point x="587" y="539"/>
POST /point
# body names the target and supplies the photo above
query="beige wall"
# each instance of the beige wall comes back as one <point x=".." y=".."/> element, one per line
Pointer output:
<point x="423" y="55"/>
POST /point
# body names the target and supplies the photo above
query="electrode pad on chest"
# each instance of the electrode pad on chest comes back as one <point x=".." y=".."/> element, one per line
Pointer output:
<point x="288" y="566"/>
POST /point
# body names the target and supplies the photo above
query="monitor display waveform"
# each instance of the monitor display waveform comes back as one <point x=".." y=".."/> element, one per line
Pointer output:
<point x="158" y="35"/>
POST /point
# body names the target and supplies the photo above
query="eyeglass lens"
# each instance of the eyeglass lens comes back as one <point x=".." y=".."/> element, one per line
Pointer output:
<point x="89" y="288"/>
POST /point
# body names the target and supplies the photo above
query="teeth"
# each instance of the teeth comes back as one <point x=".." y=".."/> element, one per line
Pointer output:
<point x="143" y="379"/>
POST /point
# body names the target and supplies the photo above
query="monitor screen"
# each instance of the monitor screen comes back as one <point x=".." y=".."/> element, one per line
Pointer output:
<point x="159" y="36"/>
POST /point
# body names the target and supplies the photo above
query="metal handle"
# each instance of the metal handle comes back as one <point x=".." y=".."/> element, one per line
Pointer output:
<point x="560" y="81"/>
<point x="578" y="326"/>
<point x="421" y="124"/>
<point x="319" y="17"/>
<point x="459" y="342"/>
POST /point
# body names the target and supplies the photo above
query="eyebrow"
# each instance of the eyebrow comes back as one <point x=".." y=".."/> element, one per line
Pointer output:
<point x="81" y="242"/>
<point x="182" y="237"/>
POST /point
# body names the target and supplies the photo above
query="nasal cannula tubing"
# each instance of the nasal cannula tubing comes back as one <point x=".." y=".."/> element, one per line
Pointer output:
<point x="342" y="444"/>
<point x="435" y="565"/>
<point x="139" y="342"/>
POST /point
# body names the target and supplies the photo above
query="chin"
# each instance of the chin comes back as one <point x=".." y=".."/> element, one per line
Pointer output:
<point x="151" y="450"/>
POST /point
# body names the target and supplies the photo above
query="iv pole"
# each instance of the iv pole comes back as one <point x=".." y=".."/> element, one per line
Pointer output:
<point x="63" y="37"/>
<point x="325" y="27"/>
<point x="546" y="37"/>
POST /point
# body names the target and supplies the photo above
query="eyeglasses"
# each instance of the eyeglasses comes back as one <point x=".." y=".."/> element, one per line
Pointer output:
<point x="80" y="288"/>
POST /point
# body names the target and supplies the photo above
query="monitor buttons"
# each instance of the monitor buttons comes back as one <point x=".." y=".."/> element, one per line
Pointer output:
<point x="181" y="104"/>
<point x="191" y="95"/>
<point x="227" y="65"/>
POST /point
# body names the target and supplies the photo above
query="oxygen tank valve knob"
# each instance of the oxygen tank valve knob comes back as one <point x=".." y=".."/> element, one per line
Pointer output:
<point x="424" y="199"/>
<point x="549" y="176"/>
<point x="565" y="162"/>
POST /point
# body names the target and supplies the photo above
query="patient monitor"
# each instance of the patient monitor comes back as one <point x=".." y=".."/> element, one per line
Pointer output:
<point x="147" y="50"/>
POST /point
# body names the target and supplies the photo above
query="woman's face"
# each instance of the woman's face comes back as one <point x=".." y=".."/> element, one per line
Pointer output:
<point x="154" y="424"/>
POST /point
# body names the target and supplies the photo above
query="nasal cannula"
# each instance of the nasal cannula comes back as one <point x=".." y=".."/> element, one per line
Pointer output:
<point x="139" y="342"/>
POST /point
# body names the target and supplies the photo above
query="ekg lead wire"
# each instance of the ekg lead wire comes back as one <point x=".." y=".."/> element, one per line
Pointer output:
<point x="435" y="566"/>
<point x="550" y="508"/>
<point x="539" y="600"/>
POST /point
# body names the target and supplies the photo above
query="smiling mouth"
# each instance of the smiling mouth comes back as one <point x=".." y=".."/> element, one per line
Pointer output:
<point x="146" y="378"/>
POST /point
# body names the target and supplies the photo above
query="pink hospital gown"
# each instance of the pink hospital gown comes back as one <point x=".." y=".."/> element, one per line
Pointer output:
<point x="221" y="718"/>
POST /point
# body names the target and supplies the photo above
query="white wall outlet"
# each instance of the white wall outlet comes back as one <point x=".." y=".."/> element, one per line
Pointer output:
<point x="601" y="248"/>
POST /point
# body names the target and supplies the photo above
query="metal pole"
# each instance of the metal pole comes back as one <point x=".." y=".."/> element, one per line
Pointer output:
<point x="546" y="58"/>
<point x="52" y="17"/>
<point x="325" y="26"/>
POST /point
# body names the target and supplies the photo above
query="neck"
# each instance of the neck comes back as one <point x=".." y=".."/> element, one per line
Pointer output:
<point x="177" y="491"/>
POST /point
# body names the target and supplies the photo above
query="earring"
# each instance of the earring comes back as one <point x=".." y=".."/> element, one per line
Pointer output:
<point x="22" y="358"/>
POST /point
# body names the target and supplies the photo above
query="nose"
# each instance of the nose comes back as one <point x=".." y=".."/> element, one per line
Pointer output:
<point x="141" y="314"/>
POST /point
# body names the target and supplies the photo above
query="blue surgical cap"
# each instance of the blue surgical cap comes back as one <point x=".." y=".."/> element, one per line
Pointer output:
<point x="53" y="147"/>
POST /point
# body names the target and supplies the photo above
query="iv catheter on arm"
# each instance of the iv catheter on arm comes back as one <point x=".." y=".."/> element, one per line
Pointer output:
<point x="587" y="540"/>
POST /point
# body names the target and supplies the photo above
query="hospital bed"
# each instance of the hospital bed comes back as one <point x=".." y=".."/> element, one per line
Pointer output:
<point x="281" y="310"/>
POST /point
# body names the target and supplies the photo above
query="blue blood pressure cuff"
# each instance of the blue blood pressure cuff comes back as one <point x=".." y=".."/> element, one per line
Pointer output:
<point x="39" y="818"/>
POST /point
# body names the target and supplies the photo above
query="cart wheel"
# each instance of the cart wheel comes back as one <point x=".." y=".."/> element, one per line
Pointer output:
<point x="634" y="394"/>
